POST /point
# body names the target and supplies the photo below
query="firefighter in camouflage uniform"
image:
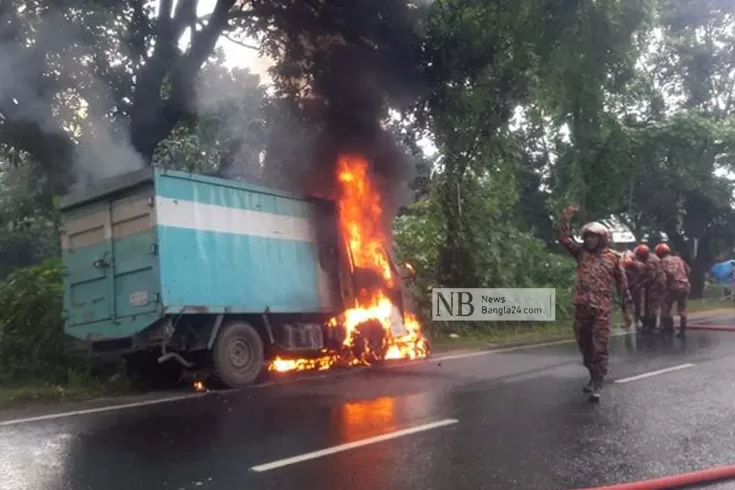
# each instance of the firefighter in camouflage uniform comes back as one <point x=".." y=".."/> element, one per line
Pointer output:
<point x="598" y="268"/>
<point x="654" y="287"/>
<point x="634" y="274"/>
<point x="678" y="288"/>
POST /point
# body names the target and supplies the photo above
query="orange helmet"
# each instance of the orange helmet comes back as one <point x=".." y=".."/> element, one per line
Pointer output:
<point x="662" y="249"/>
<point x="642" y="251"/>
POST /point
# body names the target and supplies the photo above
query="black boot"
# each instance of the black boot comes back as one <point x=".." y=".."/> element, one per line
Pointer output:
<point x="590" y="384"/>
<point x="682" y="327"/>
<point x="648" y="324"/>
<point x="667" y="324"/>
<point x="594" y="396"/>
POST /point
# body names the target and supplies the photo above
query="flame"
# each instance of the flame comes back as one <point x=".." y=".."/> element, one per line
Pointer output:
<point x="282" y="365"/>
<point x="361" y="221"/>
<point x="375" y="330"/>
<point x="361" y="216"/>
<point x="199" y="386"/>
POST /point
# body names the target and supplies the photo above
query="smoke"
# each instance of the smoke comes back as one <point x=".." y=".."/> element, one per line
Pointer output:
<point x="46" y="80"/>
<point x="105" y="151"/>
<point x="230" y="104"/>
<point x="353" y="75"/>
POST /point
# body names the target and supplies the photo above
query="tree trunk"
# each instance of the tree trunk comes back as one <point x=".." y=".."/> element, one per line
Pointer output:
<point x="455" y="255"/>
<point x="697" y="279"/>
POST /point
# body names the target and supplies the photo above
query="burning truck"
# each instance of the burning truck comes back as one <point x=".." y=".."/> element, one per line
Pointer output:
<point x="174" y="270"/>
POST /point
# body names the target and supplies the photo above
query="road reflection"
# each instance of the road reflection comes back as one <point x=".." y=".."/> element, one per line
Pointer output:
<point x="32" y="459"/>
<point x="359" y="420"/>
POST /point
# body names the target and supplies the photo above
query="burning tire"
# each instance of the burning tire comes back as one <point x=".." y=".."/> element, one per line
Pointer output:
<point x="369" y="342"/>
<point x="237" y="355"/>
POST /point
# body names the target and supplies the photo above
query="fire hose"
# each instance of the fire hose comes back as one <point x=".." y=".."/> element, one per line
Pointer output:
<point x="676" y="481"/>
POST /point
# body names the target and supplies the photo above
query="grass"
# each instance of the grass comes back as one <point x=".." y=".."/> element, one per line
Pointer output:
<point x="78" y="388"/>
<point x="508" y="334"/>
<point x="524" y="333"/>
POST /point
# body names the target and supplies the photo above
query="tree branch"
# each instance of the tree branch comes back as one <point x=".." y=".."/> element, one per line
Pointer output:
<point x="239" y="42"/>
<point x="164" y="12"/>
<point x="184" y="17"/>
<point x="155" y="118"/>
<point x="137" y="32"/>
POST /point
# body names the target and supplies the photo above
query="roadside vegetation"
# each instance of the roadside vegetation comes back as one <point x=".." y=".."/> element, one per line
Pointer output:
<point x="624" y="108"/>
<point x="37" y="362"/>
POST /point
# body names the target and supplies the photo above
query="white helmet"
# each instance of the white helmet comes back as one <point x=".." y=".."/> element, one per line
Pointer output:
<point x="596" y="228"/>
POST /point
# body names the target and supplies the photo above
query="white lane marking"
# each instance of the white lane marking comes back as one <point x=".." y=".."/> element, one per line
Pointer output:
<point x="352" y="445"/>
<point x="654" y="373"/>
<point x="110" y="408"/>
<point x="510" y="349"/>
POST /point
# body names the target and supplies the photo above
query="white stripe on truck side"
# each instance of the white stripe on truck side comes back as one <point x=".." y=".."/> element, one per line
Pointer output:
<point x="219" y="219"/>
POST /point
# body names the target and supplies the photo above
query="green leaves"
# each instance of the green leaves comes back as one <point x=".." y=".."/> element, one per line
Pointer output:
<point x="32" y="344"/>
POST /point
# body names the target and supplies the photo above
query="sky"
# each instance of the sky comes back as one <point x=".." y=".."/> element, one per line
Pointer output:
<point x="237" y="56"/>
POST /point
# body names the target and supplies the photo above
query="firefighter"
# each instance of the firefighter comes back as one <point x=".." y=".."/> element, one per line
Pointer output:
<point x="677" y="289"/>
<point x="654" y="287"/>
<point x="597" y="268"/>
<point x="634" y="274"/>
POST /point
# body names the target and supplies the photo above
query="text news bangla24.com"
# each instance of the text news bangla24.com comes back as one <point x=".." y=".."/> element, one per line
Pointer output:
<point x="486" y="305"/>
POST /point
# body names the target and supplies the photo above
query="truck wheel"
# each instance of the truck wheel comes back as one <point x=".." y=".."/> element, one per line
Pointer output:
<point x="237" y="355"/>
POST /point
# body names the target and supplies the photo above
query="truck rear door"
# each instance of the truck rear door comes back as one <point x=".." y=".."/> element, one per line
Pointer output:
<point x="88" y="255"/>
<point x="109" y="256"/>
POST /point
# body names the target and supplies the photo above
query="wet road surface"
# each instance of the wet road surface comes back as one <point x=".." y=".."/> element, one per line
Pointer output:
<point x="510" y="420"/>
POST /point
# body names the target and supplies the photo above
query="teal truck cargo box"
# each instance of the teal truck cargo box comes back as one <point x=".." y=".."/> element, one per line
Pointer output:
<point x="193" y="270"/>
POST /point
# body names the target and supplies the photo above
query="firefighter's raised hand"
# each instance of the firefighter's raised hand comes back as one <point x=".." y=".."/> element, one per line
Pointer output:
<point x="569" y="211"/>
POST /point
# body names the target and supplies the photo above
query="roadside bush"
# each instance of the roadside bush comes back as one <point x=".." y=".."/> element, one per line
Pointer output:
<point x="33" y="346"/>
<point x="31" y="334"/>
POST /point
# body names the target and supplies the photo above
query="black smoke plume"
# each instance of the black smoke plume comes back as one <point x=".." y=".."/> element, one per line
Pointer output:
<point x="343" y="65"/>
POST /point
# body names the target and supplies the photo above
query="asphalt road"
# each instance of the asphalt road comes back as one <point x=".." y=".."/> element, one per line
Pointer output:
<point x="508" y="420"/>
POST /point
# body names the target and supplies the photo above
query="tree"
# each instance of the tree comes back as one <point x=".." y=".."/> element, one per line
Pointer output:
<point x="685" y="149"/>
<point x="487" y="59"/>
<point x="534" y="163"/>
<point x="593" y="61"/>
<point x="228" y="136"/>
<point x="118" y="68"/>
<point x="28" y="221"/>
<point x="680" y="192"/>
<point x="114" y="61"/>
<point x="478" y="59"/>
